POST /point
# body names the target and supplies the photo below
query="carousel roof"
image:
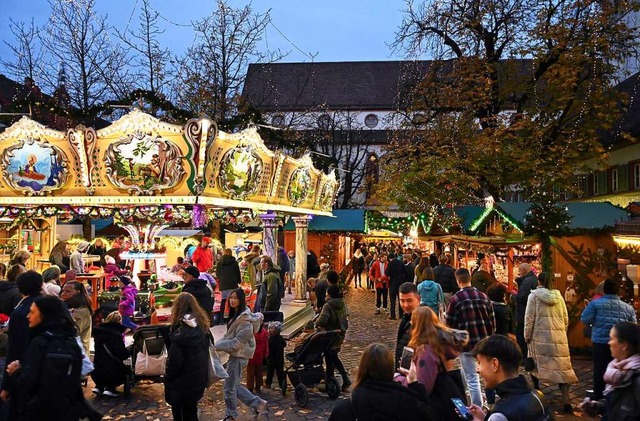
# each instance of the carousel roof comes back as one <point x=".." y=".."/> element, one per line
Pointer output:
<point x="139" y="160"/>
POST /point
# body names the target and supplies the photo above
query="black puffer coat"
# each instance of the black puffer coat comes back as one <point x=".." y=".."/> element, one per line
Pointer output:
<point x="384" y="401"/>
<point x="187" y="370"/>
<point x="199" y="289"/>
<point x="9" y="297"/>
<point x="109" y="370"/>
<point x="228" y="273"/>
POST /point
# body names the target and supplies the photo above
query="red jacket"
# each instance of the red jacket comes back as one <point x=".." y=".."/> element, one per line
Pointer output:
<point x="262" y="348"/>
<point x="202" y="258"/>
<point x="377" y="274"/>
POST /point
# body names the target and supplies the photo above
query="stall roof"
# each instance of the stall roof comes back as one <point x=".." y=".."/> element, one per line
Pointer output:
<point x="584" y="215"/>
<point x="344" y="220"/>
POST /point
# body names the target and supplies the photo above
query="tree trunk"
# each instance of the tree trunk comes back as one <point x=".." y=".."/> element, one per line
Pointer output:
<point x="86" y="227"/>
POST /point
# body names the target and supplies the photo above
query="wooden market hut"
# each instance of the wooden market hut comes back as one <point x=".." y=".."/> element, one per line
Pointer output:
<point x="582" y="257"/>
<point x="331" y="238"/>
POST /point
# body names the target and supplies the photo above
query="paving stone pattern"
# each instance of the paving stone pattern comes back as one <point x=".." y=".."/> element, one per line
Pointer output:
<point x="147" y="399"/>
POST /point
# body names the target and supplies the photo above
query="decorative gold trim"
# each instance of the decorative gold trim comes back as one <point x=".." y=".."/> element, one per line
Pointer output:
<point x="27" y="128"/>
<point x="136" y="120"/>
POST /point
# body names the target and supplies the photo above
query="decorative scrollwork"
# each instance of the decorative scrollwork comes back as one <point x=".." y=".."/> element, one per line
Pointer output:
<point x="34" y="167"/>
<point x="144" y="165"/>
<point x="240" y="172"/>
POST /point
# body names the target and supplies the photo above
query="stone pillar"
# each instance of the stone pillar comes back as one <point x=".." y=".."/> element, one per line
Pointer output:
<point x="302" y="229"/>
<point x="270" y="235"/>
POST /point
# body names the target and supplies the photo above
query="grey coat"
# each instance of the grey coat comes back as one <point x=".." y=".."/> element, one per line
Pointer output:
<point x="239" y="340"/>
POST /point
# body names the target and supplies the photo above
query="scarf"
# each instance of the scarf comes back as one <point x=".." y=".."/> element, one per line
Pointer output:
<point x="619" y="373"/>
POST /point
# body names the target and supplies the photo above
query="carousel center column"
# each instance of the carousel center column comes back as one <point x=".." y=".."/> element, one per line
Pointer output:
<point x="302" y="230"/>
<point x="270" y="235"/>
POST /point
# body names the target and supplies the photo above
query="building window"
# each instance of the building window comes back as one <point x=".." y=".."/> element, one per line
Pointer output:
<point x="277" y="120"/>
<point x="595" y="184"/>
<point x="324" y="122"/>
<point x="636" y="176"/>
<point x="614" y="179"/>
<point x="371" y="121"/>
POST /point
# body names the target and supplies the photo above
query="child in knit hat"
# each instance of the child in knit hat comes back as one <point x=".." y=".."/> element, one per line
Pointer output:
<point x="51" y="279"/>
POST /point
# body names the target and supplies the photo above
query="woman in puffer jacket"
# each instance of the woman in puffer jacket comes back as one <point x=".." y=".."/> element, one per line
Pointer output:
<point x="239" y="342"/>
<point x="186" y="373"/>
<point x="545" y="329"/>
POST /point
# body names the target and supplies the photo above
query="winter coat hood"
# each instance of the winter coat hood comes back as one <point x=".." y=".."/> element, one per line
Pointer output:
<point x="188" y="332"/>
<point x="550" y="297"/>
<point x="274" y="269"/>
<point x="429" y="285"/>
<point x="254" y="318"/>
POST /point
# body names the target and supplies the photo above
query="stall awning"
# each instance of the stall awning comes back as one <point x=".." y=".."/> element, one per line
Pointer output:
<point x="344" y="220"/>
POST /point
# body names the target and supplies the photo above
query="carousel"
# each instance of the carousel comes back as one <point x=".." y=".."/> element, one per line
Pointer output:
<point x="149" y="175"/>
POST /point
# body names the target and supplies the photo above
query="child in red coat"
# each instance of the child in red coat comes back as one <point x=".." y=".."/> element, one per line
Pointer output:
<point x="254" y="367"/>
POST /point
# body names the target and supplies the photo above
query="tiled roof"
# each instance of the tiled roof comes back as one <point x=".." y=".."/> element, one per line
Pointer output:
<point x="350" y="85"/>
<point x="371" y="85"/>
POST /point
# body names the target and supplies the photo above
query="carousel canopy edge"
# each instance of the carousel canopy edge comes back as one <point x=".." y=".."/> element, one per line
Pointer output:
<point x="139" y="159"/>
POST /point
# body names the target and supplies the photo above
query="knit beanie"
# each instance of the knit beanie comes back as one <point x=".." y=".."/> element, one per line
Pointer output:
<point x="109" y="260"/>
<point x="51" y="273"/>
<point x="83" y="246"/>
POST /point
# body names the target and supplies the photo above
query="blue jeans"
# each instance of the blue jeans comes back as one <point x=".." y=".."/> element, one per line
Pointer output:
<point x="469" y="369"/>
<point x="234" y="390"/>
<point x="128" y="323"/>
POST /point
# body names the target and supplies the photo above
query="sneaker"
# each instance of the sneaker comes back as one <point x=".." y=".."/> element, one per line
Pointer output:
<point x="111" y="393"/>
<point x="97" y="391"/>
<point x="262" y="407"/>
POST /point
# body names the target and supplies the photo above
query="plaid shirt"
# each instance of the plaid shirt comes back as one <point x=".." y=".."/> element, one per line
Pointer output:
<point x="471" y="310"/>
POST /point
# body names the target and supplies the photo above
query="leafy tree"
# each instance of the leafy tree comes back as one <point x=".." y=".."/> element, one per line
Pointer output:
<point x="516" y="95"/>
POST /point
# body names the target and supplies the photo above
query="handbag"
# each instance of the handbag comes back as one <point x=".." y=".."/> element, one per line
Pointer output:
<point x="216" y="370"/>
<point x="529" y="363"/>
<point x="150" y="365"/>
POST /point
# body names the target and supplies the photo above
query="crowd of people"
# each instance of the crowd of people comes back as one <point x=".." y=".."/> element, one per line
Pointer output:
<point x="446" y="315"/>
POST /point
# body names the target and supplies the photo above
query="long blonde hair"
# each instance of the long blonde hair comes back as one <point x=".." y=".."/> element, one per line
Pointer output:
<point x="184" y="304"/>
<point x="424" y="330"/>
<point x="376" y="363"/>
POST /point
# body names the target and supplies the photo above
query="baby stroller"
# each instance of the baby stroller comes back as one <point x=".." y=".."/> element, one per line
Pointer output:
<point x="307" y="367"/>
<point x="148" y="354"/>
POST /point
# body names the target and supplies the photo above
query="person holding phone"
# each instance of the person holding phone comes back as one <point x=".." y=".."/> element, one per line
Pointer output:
<point x="498" y="359"/>
<point x="376" y="396"/>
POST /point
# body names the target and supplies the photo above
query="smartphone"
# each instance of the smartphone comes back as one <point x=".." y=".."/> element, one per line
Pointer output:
<point x="462" y="409"/>
<point x="405" y="359"/>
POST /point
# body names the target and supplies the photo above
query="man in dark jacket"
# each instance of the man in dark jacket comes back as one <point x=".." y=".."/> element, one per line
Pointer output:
<point x="9" y="294"/>
<point x="527" y="281"/>
<point x="409" y="301"/>
<point x="396" y="274"/>
<point x="30" y="285"/>
<point x="283" y="262"/>
<point x="271" y="285"/>
<point x="199" y="288"/>
<point x="498" y="360"/>
<point x="445" y="276"/>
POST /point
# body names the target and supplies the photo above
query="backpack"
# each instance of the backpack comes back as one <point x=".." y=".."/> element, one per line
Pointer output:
<point x="60" y="380"/>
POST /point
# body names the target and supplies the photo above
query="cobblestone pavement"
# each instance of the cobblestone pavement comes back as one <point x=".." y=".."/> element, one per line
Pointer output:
<point x="147" y="400"/>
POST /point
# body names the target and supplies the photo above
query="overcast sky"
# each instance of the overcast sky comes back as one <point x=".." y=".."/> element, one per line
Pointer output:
<point x="332" y="30"/>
